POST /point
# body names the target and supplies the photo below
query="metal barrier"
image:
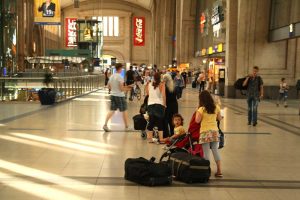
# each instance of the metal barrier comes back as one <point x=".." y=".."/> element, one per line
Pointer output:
<point x="26" y="89"/>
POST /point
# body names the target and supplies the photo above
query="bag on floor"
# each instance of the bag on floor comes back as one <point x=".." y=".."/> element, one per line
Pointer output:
<point x="194" y="84"/>
<point x="189" y="168"/>
<point x="139" y="122"/>
<point x="147" y="172"/>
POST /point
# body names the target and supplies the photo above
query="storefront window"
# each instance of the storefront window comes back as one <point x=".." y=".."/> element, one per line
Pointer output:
<point x="8" y="33"/>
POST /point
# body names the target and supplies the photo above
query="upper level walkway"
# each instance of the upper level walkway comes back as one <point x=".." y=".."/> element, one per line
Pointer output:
<point x="61" y="152"/>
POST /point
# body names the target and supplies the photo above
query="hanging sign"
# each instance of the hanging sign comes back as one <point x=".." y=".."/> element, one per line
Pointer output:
<point x="47" y="12"/>
<point x="71" y="32"/>
<point x="139" y="31"/>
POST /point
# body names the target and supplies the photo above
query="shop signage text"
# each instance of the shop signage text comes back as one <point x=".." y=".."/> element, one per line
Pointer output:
<point x="71" y="32"/>
<point x="139" y="31"/>
<point x="202" y="22"/>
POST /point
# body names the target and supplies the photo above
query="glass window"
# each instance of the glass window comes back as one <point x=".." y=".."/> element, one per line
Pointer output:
<point x="110" y="26"/>
<point x="105" y="23"/>
<point x="116" y="26"/>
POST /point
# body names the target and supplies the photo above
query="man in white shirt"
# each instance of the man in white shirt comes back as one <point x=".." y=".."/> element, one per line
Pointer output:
<point x="118" y="101"/>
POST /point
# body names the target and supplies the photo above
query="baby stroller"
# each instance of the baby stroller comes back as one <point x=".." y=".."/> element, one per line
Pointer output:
<point x="185" y="143"/>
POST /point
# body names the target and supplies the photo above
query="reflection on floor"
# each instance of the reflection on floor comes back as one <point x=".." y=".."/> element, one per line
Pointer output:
<point x="62" y="153"/>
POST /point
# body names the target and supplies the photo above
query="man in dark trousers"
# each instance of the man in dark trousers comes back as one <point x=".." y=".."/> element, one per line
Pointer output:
<point x="129" y="77"/>
<point x="255" y="93"/>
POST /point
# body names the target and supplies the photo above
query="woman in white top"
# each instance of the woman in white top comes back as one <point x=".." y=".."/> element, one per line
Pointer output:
<point x="156" y="106"/>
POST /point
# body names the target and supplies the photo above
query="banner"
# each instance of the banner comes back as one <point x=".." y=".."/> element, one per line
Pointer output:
<point x="71" y="32"/>
<point x="139" y="31"/>
<point x="47" y="12"/>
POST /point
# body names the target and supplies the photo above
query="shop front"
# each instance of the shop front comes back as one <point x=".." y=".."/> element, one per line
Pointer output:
<point x="216" y="75"/>
<point x="214" y="65"/>
<point x="8" y="37"/>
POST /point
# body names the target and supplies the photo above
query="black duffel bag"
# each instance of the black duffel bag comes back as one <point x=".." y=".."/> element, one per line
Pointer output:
<point x="139" y="122"/>
<point x="146" y="172"/>
<point x="189" y="168"/>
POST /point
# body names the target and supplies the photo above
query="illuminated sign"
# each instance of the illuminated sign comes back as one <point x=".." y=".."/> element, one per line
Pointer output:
<point x="203" y="52"/>
<point x="71" y="32"/>
<point x="139" y="31"/>
<point x="220" y="47"/>
<point x="47" y="12"/>
<point x="210" y="50"/>
<point x="202" y="22"/>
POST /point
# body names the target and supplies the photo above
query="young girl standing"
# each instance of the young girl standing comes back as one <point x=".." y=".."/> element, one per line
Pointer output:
<point x="208" y="114"/>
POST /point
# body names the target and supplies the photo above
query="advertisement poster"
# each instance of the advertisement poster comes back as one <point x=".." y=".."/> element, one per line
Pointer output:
<point x="139" y="31"/>
<point x="47" y="12"/>
<point x="71" y="32"/>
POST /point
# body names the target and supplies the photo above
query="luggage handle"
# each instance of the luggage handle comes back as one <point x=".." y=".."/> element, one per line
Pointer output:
<point x="152" y="159"/>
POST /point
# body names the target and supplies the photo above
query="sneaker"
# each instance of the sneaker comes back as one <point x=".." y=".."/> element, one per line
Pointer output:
<point x="105" y="128"/>
<point x="255" y="123"/>
<point x="286" y="106"/>
<point x="249" y="123"/>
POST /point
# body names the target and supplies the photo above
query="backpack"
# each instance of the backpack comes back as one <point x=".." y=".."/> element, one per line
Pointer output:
<point x="147" y="172"/>
<point x="238" y="84"/>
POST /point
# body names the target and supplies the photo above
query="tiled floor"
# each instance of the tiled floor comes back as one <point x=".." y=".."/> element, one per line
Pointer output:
<point x="62" y="153"/>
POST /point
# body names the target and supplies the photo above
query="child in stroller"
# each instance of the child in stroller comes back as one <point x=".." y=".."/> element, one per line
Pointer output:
<point x="177" y="120"/>
<point x="187" y="142"/>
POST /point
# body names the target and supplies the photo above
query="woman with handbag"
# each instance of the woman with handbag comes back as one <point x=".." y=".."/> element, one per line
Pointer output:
<point x="156" y="106"/>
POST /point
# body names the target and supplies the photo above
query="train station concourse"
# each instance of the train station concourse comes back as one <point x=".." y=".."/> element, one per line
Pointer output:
<point x="78" y="78"/>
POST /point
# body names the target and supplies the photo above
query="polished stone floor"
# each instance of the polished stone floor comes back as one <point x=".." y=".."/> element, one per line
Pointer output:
<point x="61" y="152"/>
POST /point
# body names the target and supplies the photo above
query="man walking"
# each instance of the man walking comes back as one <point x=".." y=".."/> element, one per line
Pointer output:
<point x="129" y="77"/>
<point x="255" y="92"/>
<point x="201" y="80"/>
<point x="118" y="101"/>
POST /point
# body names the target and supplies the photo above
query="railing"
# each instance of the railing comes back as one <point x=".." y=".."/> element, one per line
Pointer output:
<point x="26" y="89"/>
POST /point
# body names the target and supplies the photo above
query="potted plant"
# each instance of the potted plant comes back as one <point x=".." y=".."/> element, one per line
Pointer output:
<point x="47" y="95"/>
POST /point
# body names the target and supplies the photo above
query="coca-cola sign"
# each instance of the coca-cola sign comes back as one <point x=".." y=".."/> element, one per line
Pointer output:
<point x="139" y="31"/>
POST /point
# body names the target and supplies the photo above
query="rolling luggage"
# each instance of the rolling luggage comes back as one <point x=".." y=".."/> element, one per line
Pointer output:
<point x="189" y="168"/>
<point x="194" y="84"/>
<point x="146" y="172"/>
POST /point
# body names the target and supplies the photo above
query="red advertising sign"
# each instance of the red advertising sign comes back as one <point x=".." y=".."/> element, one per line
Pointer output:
<point x="202" y="22"/>
<point x="139" y="31"/>
<point x="71" y="32"/>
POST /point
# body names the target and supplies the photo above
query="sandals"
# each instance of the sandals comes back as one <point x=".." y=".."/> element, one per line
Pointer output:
<point x="218" y="175"/>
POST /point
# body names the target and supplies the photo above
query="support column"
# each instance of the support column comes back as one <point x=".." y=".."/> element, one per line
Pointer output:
<point x="179" y="31"/>
<point x="231" y="46"/>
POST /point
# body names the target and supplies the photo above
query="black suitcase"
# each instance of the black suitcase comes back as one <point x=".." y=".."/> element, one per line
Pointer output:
<point x="139" y="122"/>
<point x="190" y="169"/>
<point x="194" y="84"/>
<point x="146" y="172"/>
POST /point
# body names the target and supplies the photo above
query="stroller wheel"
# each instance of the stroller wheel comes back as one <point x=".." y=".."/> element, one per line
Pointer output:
<point x="143" y="135"/>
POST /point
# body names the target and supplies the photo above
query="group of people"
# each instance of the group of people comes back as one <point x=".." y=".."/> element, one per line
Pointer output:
<point x="163" y="114"/>
<point x="163" y="92"/>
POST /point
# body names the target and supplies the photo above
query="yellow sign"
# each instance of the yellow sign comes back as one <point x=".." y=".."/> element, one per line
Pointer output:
<point x="47" y="11"/>
<point x="220" y="47"/>
<point x="210" y="50"/>
<point x="203" y="52"/>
